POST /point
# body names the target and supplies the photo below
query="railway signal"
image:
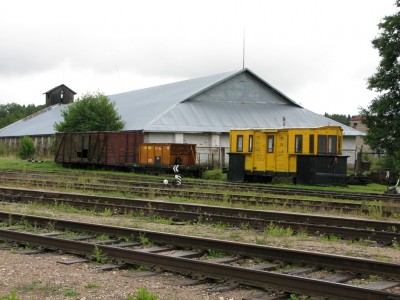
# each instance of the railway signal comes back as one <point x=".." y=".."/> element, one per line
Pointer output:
<point x="178" y="178"/>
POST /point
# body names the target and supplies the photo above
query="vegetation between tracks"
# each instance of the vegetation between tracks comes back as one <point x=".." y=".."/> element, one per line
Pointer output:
<point x="11" y="162"/>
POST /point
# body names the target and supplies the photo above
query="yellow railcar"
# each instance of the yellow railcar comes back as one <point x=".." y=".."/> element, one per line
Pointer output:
<point x="262" y="154"/>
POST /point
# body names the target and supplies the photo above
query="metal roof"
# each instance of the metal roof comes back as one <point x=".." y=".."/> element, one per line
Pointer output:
<point x="189" y="106"/>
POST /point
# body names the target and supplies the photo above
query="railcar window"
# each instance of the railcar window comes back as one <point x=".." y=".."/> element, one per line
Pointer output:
<point x="311" y="144"/>
<point x="298" y="147"/>
<point x="239" y="143"/>
<point x="321" y="144"/>
<point x="270" y="144"/>
<point x="250" y="143"/>
<point x="332" y="144"/>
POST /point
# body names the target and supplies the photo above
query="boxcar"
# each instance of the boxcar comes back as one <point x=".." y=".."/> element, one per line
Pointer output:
<point x="163" y="157"/>
<point x="112" y="149"/>
<point x="263" y="154"/>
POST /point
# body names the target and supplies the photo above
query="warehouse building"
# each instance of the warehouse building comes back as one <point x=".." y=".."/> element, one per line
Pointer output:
<point x="199" y="111"/>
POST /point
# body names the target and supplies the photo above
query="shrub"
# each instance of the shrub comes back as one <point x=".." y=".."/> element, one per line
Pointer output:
<point x="215" y="174"/>
<point x="26" y="149"/>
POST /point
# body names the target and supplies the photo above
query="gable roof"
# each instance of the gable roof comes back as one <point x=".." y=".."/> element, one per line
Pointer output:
<point x="58" y="87"/>
<point x="195" y="105"/>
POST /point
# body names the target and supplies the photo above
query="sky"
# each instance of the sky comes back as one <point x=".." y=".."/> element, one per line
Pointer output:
<point x="316" y="52"/>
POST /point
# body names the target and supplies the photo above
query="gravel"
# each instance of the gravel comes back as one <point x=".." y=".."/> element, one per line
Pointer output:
<point x="41" y="276"/>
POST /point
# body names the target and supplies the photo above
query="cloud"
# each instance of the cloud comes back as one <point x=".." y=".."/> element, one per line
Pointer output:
<point x="313" y="51"/>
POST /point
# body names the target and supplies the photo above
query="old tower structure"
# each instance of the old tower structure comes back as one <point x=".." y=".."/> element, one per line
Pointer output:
<point x="59" y="95"/>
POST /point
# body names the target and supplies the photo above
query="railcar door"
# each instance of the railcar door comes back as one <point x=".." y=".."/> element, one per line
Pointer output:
<point x="282" y="152"/>
<point x="270" y="162"/>
<point x="258" y="152"/>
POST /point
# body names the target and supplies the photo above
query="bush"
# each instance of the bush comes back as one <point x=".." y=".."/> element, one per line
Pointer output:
<point x="26" y="149"/>
<point x="215" y="174"/>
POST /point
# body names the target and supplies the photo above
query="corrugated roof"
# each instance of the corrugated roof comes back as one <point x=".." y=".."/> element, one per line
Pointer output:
<point x="185" y="107"/>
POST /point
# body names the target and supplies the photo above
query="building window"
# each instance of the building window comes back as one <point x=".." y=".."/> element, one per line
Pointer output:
<point x="239" y="143"/>
<point x="311" y="144"/>
<point x="270" y="148"/>
<point x="250" y="143"/>
<point x="298" y="143"/>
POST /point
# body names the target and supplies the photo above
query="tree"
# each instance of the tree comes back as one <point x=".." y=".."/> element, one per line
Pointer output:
<point x="91" y="112"/>
<point x="345" y="120"/>
<point x="382" y="117"/>
<point x="12" y="112"/>
<point x="26" y="149"/>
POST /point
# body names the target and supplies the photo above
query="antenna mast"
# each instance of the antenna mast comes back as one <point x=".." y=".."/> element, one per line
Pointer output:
<point x="244" y="43"/>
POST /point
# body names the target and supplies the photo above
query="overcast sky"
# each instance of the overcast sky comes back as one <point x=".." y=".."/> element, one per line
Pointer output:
<point x="317" y="52"/>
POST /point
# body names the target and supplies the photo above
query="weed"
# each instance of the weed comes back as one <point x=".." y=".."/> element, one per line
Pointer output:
<point x="161" y="220"/>
<point x="214" y="254"/>
<point x="396" y="245"/>
<point x="145" y="240"/>
<point x="107" y="212"/>
<point x="12" y="296"/>
<point x="99" y="256"/>
<point x="29" y="287"/>
<point x="277" y="231"/>
<point x="220" y="225"/>
<point x="143" y="294"/>
<point x="103" y="237"/>
<point x="295" y="297"/>
<point x="70" y="293"/>
<point x="331" y="238"/>
<point x="374" y="209"/>
<point x="260" y="241"/>
<point x="91" y="285"/>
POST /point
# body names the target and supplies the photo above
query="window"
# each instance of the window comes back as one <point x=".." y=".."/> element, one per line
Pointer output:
<point x="298" y="143"/>
<point x="322" y="144"/>
<point x="250" y="143"/>
<point x="311" y="144"/>
<point x="270" y="148"/>
<point x="332" y="144"/>
<point x="239" y="143"/>
<point x="327" y="144"/>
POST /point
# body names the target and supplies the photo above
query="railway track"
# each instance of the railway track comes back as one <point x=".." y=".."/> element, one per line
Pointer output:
<point x="157" y="190"/>
<point x="385" y="232"/>
<point x="122" y="180"/>
<point x="289" y="271"/>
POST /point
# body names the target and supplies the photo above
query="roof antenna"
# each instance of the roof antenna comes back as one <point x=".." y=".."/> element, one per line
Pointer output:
<point x="244" y="43"/>
<point x="119" y="78"/>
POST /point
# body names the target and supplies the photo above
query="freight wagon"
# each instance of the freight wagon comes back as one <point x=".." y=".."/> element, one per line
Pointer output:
<point x="124" y="150"/>
<point x="308" y="155"/>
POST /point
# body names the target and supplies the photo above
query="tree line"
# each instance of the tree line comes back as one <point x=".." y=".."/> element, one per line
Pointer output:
<point x="13" y="112"/>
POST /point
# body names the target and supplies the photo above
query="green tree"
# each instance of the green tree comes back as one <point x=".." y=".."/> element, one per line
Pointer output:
<point x="91" y="112"/>
<point x="26" y="149"/>
<point x="12" y="112"/>
<point x="345" y="120"/>
<point x="382" y="117"/>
